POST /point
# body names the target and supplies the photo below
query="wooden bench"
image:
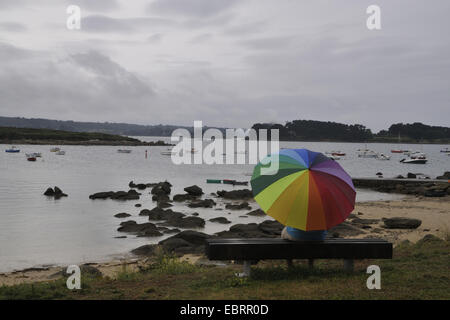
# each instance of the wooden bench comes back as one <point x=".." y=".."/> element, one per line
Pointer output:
<point x="247" y="250"/>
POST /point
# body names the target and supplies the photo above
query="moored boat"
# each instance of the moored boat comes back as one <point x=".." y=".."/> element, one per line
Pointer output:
<point x="414" y="161"/>
<point x="366" y="153"/>
<point x="55" y="149"/>
<point x="124" y="151"/>
<point x="213" y="181"/>
<point x="446" y="150"/>
<point x="382" y="156"/>
<point x="61" y="153"/>
<point x="13" y="149"/>
<point x="31" y="158"/>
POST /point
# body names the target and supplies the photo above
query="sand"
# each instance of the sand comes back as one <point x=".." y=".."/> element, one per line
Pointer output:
<point x="434" y="213"/>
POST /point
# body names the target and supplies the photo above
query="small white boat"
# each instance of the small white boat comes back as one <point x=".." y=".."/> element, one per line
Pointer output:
<point x="382" y="156"/>
<point x="414" y="161"/>
<point x="167" y="153"/>
<point x="61" y="153"/>
<point x="366" y="153"/>
<point x="34" y="155"/>
<point x="13" y="149"/>
<point x="446" y="150"/>
<point x="124" y="151"/>
<point x="332" y="157"/>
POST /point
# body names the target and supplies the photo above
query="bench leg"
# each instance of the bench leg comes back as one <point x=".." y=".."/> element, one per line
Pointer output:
<point x="246" y="270"/>
<point x="348" y="265"/>
<point x="311" y="264"/>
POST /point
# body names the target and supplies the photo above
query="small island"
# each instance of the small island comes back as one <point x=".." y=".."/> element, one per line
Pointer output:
<point x="9" y="135"/>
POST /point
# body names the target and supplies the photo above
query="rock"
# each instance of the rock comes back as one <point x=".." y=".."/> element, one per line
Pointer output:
<point x="379" y="174"/>
<point x="206" y="203"/>
<point x="271" y="227"/>
<point x="236" y="194"/>
<point x="364" y="221"/>
<point x="186" y="223"/>
<point x="185" y="242"/>
<point x="241" y="206"/>
<point x="138" y="205"/>
<point x="194" y="190"/>
<point x="90" y="270"/>
<point x="402" y="223"/>
<point x="171" y="244"/>
<point x="411" y="175"/>
<point x="345" y="230"/>
<point x="266" y="229"/>
<point x="55" y="192"/>
<point x="119" y="195"/>
<point x="445" y="176"/>
<point x="399" y="177"/>
<point x="146" y="250"/>
<point x="195" y="214"/>
<point x="49" y="192"/>
<point x="158" y="213"/>
<point x="257" y="213"/>
<point x="183" y="197"/>
<point x="429" y="238"/>
<point x="58" y="191"/>
<point x="221" y="220"/>
<point x="101" y="195"/>
<point x="142" y="230"/>
<point x="122" y="215"/>
<point x="162" y="188"/>
<point x="193" y="237"/>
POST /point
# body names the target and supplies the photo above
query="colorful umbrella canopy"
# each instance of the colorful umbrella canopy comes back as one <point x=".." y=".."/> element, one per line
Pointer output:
<point x="309" y="192"/>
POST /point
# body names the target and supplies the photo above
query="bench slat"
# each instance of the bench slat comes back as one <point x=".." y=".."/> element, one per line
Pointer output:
<point x="260" y="249"/>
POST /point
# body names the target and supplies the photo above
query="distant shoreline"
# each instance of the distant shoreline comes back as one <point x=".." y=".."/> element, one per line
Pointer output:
<point x="85" y="143"/>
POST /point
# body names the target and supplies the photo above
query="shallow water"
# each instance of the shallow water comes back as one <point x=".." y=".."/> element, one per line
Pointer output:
<point x="36" y="230"/>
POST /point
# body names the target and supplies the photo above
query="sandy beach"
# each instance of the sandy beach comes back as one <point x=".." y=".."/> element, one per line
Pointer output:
<point x="433" y="212"/>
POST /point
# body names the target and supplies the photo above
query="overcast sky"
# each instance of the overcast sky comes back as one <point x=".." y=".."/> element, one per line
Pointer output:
<point x="229" y="63"/>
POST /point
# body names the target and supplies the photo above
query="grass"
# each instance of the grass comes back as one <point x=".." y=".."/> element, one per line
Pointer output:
<point x="417" y="271"/>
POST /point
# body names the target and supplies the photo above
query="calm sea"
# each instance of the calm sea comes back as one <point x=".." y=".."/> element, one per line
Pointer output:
<point x="36" y="230"/>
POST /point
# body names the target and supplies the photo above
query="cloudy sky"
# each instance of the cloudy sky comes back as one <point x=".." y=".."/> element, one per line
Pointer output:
<point x="226" y="62"/>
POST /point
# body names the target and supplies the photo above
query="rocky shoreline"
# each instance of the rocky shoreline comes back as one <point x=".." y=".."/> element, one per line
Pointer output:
<point x="409" y="185"/>
<point x="186" y="229"/>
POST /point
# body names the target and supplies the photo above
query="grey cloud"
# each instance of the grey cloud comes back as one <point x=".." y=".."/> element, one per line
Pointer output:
<point x="106" y="24"/>
<point x="155" y="38"/>
<point x="10" y="3"/>
<point x="271" y="43"/>
<point x="111" y="75"/>
<point x="13" y="27"/>
<point x="202" y="38"/>
<point x="245" y="29"/>
<point x="196" y="8"/>
<point x="95" y="5"/>
<point x="81" y="86"/>
<point x="11" y="53"/>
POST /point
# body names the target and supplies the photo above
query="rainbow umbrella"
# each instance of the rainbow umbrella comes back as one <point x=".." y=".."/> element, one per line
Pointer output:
<point x="308" y="192"/>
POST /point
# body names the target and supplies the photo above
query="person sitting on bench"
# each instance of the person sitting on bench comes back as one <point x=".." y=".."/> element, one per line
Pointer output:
<point x="294" y="234"/>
